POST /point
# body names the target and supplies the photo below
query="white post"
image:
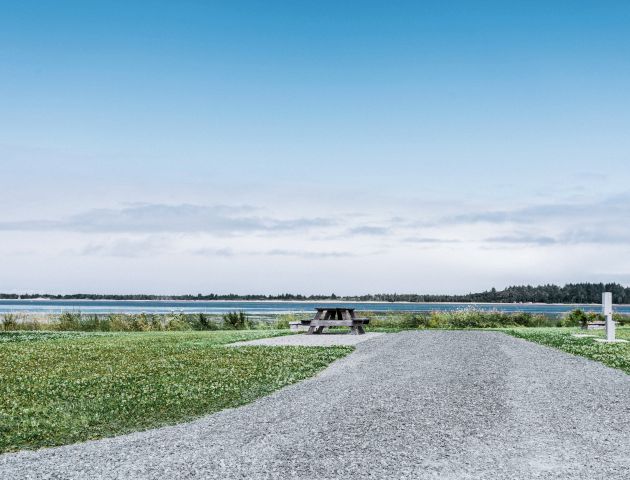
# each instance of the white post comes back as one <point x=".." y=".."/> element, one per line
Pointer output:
<point x="608" y="313"/>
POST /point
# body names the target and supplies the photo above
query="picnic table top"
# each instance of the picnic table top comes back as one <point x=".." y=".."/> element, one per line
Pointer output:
<point x="319" y="309"/>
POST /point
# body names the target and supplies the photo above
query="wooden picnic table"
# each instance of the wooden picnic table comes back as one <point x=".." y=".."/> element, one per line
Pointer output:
<point x="335" y="317"/>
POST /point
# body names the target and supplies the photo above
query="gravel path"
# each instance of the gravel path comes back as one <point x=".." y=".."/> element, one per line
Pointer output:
<point x="414" y="405"/>
<point x="325" y="340"/>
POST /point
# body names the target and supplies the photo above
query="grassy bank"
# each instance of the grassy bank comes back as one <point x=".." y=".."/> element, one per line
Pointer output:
<point x="471" y="318"/>
<point x="129" y="322"/>
<point x="58" y="388"/>
<point x="616" y="355"/>
<point x="381" y="321"/>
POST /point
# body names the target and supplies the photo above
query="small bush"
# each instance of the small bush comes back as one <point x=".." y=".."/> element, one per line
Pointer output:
<point x="202" y="321"/>
<point x="282" y="321"/>
<point x="575" y="318"/>
<point x="580" y="318"/>
<point x="69" y="321"/>
<point x="237" y="321"/>
<point x="178" y="322"/>
<point x="117" y="323"/>
<point x="90" y="323"/>
<point x="104" y="325"/>
<point x="10" y="321"/>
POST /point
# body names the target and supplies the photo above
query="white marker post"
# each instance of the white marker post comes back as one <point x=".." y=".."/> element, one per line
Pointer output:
<point x="607" y="310"/>
<point x="608" y="314"/>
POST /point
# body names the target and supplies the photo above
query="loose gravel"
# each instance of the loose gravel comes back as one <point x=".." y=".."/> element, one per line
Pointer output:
<point x="302" y="340"/>
<point x="414" y="405"/>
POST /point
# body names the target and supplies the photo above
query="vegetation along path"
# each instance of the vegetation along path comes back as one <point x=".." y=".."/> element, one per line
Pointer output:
<point x="423" y="404"/>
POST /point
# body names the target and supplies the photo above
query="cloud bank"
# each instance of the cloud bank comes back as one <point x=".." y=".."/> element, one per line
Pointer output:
<point x="161" y="218"/>
<point x="602" y="221"/>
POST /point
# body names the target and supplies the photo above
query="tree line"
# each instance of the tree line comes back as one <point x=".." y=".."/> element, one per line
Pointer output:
<point x="569" y="293"/>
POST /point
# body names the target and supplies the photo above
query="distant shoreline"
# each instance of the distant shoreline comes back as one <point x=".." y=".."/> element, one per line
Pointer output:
<point x="367" y="302"/>
<point x="585" y="293"/>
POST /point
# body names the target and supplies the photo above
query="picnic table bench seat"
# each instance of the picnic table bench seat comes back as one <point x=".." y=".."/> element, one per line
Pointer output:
<point x="334" y="323"/>
<point x="595" y="325"/>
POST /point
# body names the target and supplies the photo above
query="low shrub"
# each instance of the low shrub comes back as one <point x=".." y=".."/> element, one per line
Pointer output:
<point x="69" y="321"/>
<point x="178" y="322"/>
<point x="237" y="321"/>
<point x="203" y="322"/>
<point x="282" y="321"/>
<point x="461" y="318"/>
<point x="621" y="319"/>
<point x="9" y="321"/>
<point x="580" y="318"/>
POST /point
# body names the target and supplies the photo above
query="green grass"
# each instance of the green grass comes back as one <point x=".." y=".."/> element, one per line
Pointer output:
<point x="616" y="355"/>
<point x="60" y="388"/>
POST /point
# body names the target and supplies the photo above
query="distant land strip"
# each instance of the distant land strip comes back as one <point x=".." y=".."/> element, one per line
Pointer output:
<point x="569" y="293"/>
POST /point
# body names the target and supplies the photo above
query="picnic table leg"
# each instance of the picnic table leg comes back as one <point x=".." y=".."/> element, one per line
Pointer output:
<point x="311" y="331"/>
<point x="357" y="330"/>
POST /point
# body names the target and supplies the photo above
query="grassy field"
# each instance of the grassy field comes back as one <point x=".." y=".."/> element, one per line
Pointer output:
<point x="62" y="387"/>
<point x="616" y="355"/>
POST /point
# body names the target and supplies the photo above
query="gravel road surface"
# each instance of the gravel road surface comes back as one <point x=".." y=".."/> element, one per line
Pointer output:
<point x="414" y="405"/>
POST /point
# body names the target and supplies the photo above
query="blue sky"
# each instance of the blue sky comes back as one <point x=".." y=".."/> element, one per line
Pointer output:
<point x="176" y="147"/>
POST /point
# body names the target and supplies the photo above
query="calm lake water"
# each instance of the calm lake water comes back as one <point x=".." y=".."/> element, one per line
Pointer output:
<point x="269" y="308"/>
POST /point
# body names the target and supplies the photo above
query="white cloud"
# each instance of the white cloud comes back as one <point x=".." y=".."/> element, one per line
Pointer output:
<point x="127" y="247"/>
<point x="218" y="219"/>
<point x="245" y="248"/>
<point x="369" y="230"/>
